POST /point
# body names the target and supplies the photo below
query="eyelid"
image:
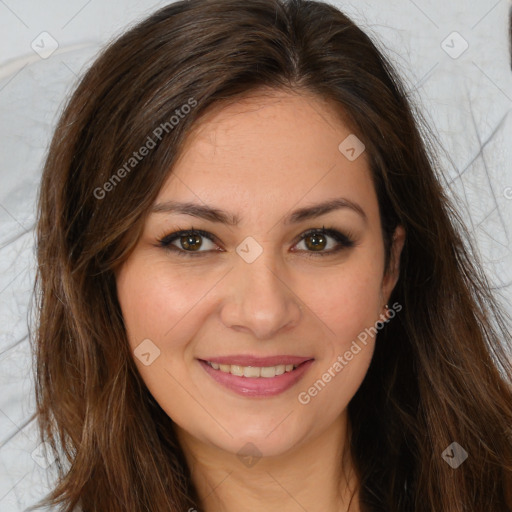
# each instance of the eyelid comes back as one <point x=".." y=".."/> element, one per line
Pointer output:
<point x="340" y="236"/>
<point x="166" y="240"/>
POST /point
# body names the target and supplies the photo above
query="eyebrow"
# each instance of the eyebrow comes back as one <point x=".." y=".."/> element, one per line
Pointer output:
<point x="223" y="217"/>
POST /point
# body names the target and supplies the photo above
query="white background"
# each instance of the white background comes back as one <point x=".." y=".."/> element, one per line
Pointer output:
<point x="468" y="101"/>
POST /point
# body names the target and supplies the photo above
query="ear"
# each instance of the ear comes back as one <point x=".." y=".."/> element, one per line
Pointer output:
<point x="393" y="272"/>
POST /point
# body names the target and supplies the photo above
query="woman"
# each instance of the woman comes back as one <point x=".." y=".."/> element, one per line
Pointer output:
<point x="254" y="294"/>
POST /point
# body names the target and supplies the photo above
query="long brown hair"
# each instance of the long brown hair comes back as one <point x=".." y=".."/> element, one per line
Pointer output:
<point x="440" y="372"/>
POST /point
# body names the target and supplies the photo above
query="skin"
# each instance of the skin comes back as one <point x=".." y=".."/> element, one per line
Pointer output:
<point x="262" y="158"/>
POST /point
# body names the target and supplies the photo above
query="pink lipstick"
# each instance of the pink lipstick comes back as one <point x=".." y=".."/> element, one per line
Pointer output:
<point x="254" y="376"/>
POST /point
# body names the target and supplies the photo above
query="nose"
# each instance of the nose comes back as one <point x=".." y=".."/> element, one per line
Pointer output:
<point x="258" y="299"/>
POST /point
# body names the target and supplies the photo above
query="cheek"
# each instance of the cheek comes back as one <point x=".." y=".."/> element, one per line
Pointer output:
<point x="350" y="308"/>
<point x="158" y="305"/>
<point x="167" y="307"/>
<point x="155" y="301"/>
<point x="348" y="303"/>
<point x="347" y="299"/>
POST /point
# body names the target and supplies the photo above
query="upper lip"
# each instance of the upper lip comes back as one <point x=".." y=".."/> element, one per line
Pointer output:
<point x="248" y="360"/>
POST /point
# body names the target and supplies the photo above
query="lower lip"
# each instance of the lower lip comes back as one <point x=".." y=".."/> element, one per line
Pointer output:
<point x="258" y="386"/>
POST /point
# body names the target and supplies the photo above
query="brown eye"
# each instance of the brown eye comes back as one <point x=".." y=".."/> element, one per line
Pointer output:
<point x="316" y="241"/>
<point x="324" y="241"/>
<point x="191" y="242"/>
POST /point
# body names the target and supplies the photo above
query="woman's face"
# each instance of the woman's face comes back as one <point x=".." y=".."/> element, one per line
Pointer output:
<point x="264" y="290"/>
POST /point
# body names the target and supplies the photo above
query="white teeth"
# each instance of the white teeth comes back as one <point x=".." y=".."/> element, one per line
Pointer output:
<point x="253" y="371"/>
<point x="237" y="370"/>
<point x="280" y="369"/>
<point x="268" y="371"/>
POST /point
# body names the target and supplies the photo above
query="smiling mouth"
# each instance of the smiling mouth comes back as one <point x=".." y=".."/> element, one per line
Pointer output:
<point x="254" y="372"/>
<point x="257" y="377"/>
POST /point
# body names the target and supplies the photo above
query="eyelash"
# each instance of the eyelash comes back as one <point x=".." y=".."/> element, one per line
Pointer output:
<point x="345" y="241"/>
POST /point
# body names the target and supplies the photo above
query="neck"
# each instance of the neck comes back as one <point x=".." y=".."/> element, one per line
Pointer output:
<point x="317" y="474"/>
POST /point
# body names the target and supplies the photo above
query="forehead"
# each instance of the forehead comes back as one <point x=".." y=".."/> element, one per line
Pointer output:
<point x="269" y="149"/>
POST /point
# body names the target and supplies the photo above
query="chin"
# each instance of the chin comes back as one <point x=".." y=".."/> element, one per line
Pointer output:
<point x="269" y="438"/>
